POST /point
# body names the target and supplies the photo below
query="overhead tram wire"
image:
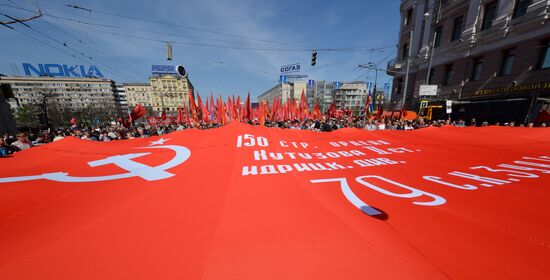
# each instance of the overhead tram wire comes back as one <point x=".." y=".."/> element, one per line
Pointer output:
<point x="78" y="52"/>
<point x="187" y="27"/>
<point x="88" y="46"/>
<point x="134" y="29"/>
<point x="230" y="47"/>
<point x="77" y="56"/>
<point x="263" y="48"/>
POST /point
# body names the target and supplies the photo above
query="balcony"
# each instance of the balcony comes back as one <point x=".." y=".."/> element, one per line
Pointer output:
<point x="393" y="67"/>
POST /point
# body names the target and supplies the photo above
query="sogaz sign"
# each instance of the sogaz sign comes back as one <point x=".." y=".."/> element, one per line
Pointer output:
<point x="291" y="68"/>
<point x="62" y="70"/>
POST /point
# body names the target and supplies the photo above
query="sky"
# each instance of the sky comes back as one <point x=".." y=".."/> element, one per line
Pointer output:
<point x="227" y="46"/>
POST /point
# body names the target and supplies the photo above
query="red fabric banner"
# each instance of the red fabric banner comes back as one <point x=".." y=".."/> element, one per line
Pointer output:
<point x="244" y="202"/>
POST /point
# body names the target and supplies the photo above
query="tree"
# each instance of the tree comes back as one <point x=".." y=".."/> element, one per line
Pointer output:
<point x="27" y="115"/>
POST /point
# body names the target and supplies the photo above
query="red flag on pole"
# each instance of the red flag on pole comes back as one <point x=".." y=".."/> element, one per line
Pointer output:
<point x="248" y="109"/>
<point x="180" y="116"/>
<point x="380" y="111"/>
<point x="137" y="113"/>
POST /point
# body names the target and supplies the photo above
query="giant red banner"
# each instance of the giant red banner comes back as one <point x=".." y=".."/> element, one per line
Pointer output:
<point x="243" y="202"/>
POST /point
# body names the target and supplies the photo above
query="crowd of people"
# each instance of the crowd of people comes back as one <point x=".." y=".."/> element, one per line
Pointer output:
<point x="10" y="144"/>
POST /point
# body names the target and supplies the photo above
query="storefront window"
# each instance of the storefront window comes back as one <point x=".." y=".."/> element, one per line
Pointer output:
<point x="545" y="58"/>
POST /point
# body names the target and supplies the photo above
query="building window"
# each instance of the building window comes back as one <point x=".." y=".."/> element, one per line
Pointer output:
<point x="507" y="62"/>
<point x="437" y="41"/>
<point x="448" y="75"/>
<point x="405" y="54"/>
<point x="457" y="28"/>
<point x="545" y="56"/>
<point x="520" y="8"/>
<point x="489" y="15"/>
<point x="476" y="72"/>
<point x="431" y="78"/>
<point x="400" y="84"/>
<point x="408" y="17"/>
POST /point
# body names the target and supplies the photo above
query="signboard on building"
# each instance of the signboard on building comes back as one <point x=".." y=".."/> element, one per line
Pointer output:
<point x="282" y="79"/>
<point x="311" y="83"/>
<point x="169" y="70"/>
<point x="449" y="106"/>
<point x="163" y="69"/>
<point x="428" y="90"/>
<point x="387" y="87"/>
<point x="291" y="68"/>
<point x="61" y="70"/>
<point x="296" y="76"/>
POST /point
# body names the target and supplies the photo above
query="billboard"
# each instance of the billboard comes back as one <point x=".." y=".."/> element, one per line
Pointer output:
<point x="291" y="68"/>
<point x="169" y="70"/>
<point x="428" y="90"/>
<point x="61" y="70"/>
<point x="163" y="69"/>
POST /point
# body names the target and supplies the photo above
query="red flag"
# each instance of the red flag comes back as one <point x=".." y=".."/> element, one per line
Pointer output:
<point x="238" y="108"/>
<point x="200" y="107"/>
<point x="404" y="112"/>
<point x="223" y="117"/>
<point x="212" y="108"/>
<point x="193" y="107"/>
<point x="186" y="114"/>
<point x="180" y="116"/>
<point x="73" y="121"/>
<point x="368" y="110"/>
<point x="163" y="115"/>
<point x="316" y="111"/>
<point x="380" y="111"/>
<point x="331" y="110"/>
<point x="274" y="108"/>
<point x="248" y="109"/>
<point x="229" y="109"/>
<point x="137" y="113"/>
<point x="261" y="112"/>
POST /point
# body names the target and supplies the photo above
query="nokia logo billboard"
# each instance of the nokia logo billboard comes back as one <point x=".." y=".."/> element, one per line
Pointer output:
<point x="62" y="70"/>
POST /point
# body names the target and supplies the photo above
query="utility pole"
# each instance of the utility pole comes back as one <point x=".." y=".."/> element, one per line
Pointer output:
<point x="374" y="67"/>
<point x="407" y="72"/>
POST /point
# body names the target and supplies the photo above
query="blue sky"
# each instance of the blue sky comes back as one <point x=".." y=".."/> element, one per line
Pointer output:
<point x="228" y="47"/>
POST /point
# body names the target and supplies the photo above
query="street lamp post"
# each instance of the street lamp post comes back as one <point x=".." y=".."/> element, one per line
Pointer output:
<point x="374" y="67"/>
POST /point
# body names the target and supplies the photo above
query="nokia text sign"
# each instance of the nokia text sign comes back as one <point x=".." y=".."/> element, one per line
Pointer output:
<point x="62" y="70"/>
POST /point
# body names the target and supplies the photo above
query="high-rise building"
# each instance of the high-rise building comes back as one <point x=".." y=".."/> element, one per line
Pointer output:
<point x="74" y="93"/>
<point x="347" y="95"/>
<point x="120" y="99"/>
<point x="491" y="58"/>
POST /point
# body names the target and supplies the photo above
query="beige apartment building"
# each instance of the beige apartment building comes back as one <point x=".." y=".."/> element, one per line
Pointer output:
<point x="138" y="93"/>
<point x="166" y="92"/>
<point x="169" y="92"/>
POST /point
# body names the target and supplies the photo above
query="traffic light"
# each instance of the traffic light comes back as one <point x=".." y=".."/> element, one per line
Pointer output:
<point x="313" y="58"/>
<point x="169" y="51"/>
